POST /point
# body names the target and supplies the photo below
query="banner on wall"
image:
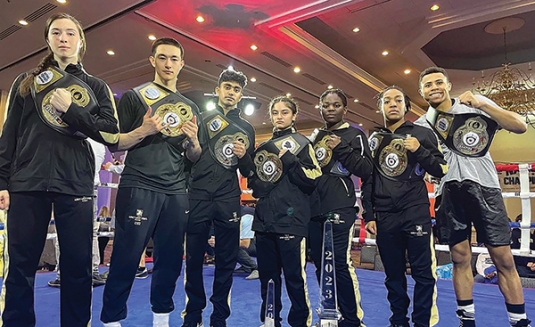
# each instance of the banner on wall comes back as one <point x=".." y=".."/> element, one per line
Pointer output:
<point x="510" y="181"/>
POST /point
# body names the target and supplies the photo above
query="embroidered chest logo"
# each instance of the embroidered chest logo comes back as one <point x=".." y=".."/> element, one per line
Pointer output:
<point x="138" y="218"/>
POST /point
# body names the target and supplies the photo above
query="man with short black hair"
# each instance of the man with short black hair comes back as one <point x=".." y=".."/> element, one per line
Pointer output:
<point x="228" y="144"/>
<point x="470" y="192"/>
<point x="159" y="130"/>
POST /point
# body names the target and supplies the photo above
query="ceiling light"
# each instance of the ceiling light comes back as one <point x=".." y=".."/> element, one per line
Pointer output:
<point x="297" y="69"/>
<point x="288" y="94"/>
<point x="253" y="79"/>
<point x="249" y="109"/>
<point x="384" y="53"/>
<point x="407" y="71"/>
<point x="210" y="105"/>
<point x="254" y="47"/>
<point x="263" y="123"/>
<point x="511" y="88"/>
<point x="230" y="68"/>
<point x="360" y="124"/>
<point x="330" y="87"/>
<point x="61" y="1"/>
<point x="356" y="29"/>
<point x="317" y="106"/>
<point x="377" y="111"/>
<point x="200" y="19"/>
<point x="23" y="22"/>
<point x="152" y="37"/>
<point x="435" y="7"/>
<point x="356" y="100"/>
<point x="110" y="52"/>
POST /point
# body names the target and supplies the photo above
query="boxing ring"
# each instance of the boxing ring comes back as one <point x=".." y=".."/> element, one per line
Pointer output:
<point x="525" y="225"/>
<point x="245" y="299"/>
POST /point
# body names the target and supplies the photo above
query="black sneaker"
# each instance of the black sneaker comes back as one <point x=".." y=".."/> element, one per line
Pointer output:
<point x="522" y="323"/>
<point x="54" y="283"/>
<point x="142" y="273"/>
<point x="466" y="319"/>
<point x="242" y="270"/>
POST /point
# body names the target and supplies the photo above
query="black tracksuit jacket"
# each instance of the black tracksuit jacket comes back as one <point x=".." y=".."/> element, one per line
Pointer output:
<point x="210" y="180"/>
<point x="337" y="192"/>
<point x="382" y="194"/>
<point x="284" y="207"/>
<point x="35" y="157"/>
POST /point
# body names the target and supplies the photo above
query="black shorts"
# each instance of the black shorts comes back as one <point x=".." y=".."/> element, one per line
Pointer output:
<point x="465" y="203"/>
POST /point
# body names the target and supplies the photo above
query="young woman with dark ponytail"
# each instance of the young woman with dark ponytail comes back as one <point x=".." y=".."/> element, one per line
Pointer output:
<point x="46" y="163"/>
<point x="285" y="176"/>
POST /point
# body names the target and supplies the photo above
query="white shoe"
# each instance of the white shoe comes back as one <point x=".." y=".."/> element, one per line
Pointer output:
<point x="160" y="319"/>
<point x="112" y="324"/>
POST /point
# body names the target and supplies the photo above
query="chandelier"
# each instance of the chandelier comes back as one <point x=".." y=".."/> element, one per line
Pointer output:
<point x="511" y="88"/>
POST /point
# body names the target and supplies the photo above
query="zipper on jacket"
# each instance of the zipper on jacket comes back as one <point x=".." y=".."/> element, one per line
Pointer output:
<point x="345" y="186"/>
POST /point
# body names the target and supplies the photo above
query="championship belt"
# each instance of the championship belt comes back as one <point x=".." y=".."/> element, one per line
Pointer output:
<point x="324" y="154"/>
<point x="169" y="105"/>
<point x="269" y="166"/>
<point x="269" y="318"/>
<point x="391" y="159"/>
<point x="328" y="309"/>
<point x="221" y="136"/>
<point x="468" y="135"/>
<point x="81" y="94"/>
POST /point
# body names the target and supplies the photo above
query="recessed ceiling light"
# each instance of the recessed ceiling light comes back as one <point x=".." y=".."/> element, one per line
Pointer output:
<point x="407" y="71"/>
<point x="61" y="1"/>
<point x="288" y="94"/>
<point x="210" y="105"/>
<point x="114" y="94"/>
<point x="330" y="87"/>
<point x="263" y="123"/>
<point x="230" y="67"/>
<point x="254" y="47"/>
<point x="317" y="106"/>
<point x="356" y="29"/>
<point x="200" y="19"/>
<point x="356" y="100"/>
<point x="360" y="124"/>
<point x="249" y="109"/>
<point x="110" y="52"/>
<point x="297" y="69"/>
<point x="23" y="22"/>
<point x="435" y="7"/>
<point x="152" y="37"/>
<point x="384" y="53"/>
<point x="377" y="111"/>
<point x="253" y="79"/>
